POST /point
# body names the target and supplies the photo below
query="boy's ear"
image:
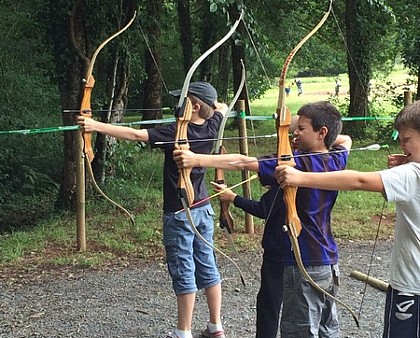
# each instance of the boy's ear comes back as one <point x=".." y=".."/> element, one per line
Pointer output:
<point x="196" y="107"/>
<point x="323" y="131"/>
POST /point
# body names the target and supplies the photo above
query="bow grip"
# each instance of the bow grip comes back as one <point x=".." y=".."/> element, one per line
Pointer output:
<point x="86" y="111"/>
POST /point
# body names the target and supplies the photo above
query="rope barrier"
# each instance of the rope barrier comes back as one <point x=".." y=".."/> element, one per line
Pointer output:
<point x="170" y="120"/>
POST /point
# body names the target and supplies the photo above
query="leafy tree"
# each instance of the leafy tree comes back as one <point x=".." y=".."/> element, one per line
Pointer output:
<point x="407" y="14"/>
<point x="28" y="100"/>
<point x="370" y="31"/>
<point x="75" y="38"/>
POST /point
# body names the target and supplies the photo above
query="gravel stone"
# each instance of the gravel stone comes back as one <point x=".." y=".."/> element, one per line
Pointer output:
<point x="136" y="301"/>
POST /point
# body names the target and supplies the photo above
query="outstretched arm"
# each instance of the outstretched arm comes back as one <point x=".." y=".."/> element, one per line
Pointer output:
<point x="121" y="132"/>
<point x="334" y="180"/>
<point x="188" y="159"/>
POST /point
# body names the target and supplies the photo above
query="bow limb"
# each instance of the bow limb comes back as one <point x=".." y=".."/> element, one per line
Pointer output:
<point x="293" y="225"/>
<point x="89" y="80"/>
<point x="225" y="218"/>
<point x="86" y="111"/>
<point x="219" y="139"/>
<point x="281" y="104"/>
<point x="226" y="221"/>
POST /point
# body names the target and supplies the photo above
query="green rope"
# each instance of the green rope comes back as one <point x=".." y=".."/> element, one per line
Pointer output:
<point x="240" y="114"/>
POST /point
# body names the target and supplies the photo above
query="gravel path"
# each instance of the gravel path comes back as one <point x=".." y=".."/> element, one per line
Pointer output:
<point x="137" y="300"/>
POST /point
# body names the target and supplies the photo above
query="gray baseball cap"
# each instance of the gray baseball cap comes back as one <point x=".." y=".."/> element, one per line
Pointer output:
<point x="203" y="90"/>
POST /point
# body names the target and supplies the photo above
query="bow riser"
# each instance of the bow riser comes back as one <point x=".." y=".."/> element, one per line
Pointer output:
<point x="225" y="217"/>
<point x="284" y="152"/>
<point x="86" y="111"/>
<point x="183" y="117"/>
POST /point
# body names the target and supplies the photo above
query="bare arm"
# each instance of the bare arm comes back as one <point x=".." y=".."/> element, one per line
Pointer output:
<point x="221" y="107"/>
<point x="343" y="140"/>
<point x="335" y="180"/>
<point x="126" y="133"/>
<point x="188" y="159"/>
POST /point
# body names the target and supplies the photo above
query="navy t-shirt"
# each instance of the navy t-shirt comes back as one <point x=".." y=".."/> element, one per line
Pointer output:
<point x="207" y="130"/>
<point x="268" y="209"/>
<point x="314" y="206"/>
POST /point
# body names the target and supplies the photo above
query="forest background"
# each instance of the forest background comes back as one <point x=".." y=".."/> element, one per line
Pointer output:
<point x="46" y="49"/>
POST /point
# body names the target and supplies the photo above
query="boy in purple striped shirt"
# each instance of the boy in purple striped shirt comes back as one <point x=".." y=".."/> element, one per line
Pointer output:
<point x="306" y="312"/>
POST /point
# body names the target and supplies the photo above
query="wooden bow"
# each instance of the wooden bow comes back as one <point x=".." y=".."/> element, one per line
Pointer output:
<point x="183" y="114"/>
<point x="293" y="225"/>
<point x="226" y="221"/>
<point x="86" y="111"/>
<point x="225" y="217"/>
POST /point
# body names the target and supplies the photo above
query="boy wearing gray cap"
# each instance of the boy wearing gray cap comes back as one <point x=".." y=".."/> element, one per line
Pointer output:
<point x="191" y="263"/>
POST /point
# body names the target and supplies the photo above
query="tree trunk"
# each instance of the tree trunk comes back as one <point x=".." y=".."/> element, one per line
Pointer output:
<point x="70" y="99"/>
<point x="70" y="84"/>
<point x="209" y="34"/>
<point x="238" y="55"/>
<point x="184" y="20"/>
<point x="359" y="69"/>
<point x="152" y="100"/>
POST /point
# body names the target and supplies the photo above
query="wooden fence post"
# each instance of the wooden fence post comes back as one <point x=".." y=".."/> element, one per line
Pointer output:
<point x="80" y="193"/>
<point x="408" y="97"/>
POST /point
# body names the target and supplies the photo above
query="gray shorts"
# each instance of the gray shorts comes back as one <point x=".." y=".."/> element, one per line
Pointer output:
<point x="307" y="312"/>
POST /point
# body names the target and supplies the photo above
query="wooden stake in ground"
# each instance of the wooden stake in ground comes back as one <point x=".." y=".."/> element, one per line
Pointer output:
<point x="376" y="283"/>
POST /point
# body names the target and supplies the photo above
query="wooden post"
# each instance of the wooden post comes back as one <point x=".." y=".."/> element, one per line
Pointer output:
<point x="80" y="193"/>
<point x="377" y="283"/>
<point x="408" y="97"/>
<point x="243" y="149"/>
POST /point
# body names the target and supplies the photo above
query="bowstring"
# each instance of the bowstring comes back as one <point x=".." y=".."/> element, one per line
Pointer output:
<point x="381" y="216"/>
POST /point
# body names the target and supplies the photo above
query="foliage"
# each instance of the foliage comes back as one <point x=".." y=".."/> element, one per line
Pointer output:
<point x="28" y="100"/>
<point x="408" y="18"/>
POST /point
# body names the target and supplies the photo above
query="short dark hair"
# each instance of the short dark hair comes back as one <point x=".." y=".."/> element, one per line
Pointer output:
<point x="323" y="113"/>
<point x="408" y="117"/>
<point x="205" y="111"/>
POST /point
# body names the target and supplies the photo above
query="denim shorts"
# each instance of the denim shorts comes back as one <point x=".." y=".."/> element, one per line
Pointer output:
<point x="191" y="262"/>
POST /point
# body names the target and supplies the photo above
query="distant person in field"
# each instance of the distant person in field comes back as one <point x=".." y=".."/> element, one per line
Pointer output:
<point x="288" y="89"/>
<point x="298" y="83"/>
<point x="337" y="86"/>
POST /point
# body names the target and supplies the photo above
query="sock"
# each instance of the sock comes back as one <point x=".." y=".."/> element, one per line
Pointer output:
<point x="183" y="334"/>
<point x="214" y="327"/>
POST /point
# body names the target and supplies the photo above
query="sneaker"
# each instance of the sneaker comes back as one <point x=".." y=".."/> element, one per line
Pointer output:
<point x="172" y="335"/>
<point x="207" y="334"/>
